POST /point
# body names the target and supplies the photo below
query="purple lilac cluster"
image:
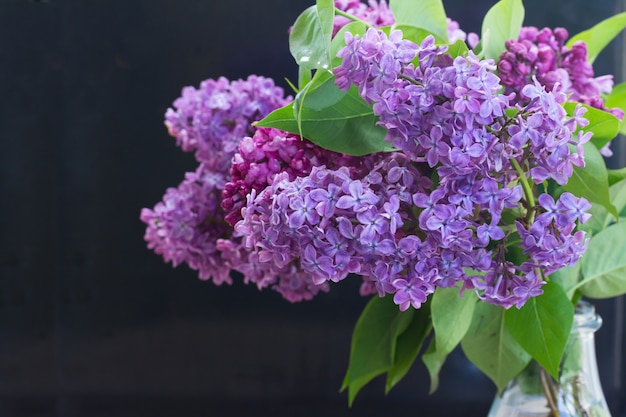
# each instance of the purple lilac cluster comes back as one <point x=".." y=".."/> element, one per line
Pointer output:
<point x="542" y="54"/>
<point x="449" y="115"/>
<point x="264" y="155"/>
<point x="551" y="241"/>
<point x="184" y="227"/>
<point x="334" y="222"/>
<point x="291" y="282"/>
<point x="212" y="120"/>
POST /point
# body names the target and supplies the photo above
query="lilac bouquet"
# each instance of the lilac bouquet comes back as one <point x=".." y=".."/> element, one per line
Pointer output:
<point x="459" y="176"/>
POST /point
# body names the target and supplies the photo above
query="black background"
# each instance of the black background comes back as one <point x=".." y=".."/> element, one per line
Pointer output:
<point x="94" y="324"/>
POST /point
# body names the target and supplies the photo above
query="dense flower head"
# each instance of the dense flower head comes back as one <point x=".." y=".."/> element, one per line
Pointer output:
<point x="212" y="119"/>
<point x="264" y="155"/>
<point x="541" y="54"/>
<point x="184" y="227"/>
<point x="339" y="221"/>
<point x="449" y="115"/>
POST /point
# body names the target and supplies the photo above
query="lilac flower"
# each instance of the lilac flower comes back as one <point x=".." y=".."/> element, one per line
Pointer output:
<point x="266" y="154"/>
<point x="212" y="120"/>
<point x="542" y="55"/>
<point x="408" y="294"/>
<point x="356" y="197"/>
<point x="572" y="208"/>
<point x="183" y="227"/>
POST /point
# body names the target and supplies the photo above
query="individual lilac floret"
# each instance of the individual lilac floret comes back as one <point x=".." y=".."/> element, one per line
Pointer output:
<point x="212" y="120"/>
<point x="184" y="227"/>
<point x="264" y="155"/>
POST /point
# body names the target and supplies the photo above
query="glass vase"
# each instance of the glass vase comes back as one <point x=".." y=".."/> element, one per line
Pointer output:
<point x="577" y="393"/>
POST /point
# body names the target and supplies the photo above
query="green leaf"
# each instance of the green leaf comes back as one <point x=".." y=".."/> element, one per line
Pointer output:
<point x="409" y="344"/>
<point x="604" y="263"/>
<point x="616" y="175"/>
<point x="490" y="346"/>
<point x="600" y="217"/>
<point x="309" y="41"/>
<point x="602" y="124"/>
<point x="458" y="48"/>
<point x="501" y="23"/>
<point x="591" y="182"/>
<point x="434" y="362"/>
<point x="567" y="278"/>
<point x="334" y="119"/>
<point x="542" y="326"/>
<point x="429" y="15"/>
<point x="600" y="35"/>
<point x="374" y="343"/>
<point x="416" y="34"/>
<point x="617" y="98"/>
<point x="304" y="76"/>
<point x="451" y="317"/>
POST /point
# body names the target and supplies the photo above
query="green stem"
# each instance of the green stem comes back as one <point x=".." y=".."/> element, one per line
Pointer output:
<point x="351" y="17"/>
<point x="409" y="79"/>
<point x="549" y="391"/>
<point x="528" y="191"/>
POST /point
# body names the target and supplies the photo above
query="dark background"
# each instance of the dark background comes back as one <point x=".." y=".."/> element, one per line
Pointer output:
<point x="94" y="324"/>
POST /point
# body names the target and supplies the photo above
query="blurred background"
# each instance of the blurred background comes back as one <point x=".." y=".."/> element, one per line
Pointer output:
<point x="94" y="324"/>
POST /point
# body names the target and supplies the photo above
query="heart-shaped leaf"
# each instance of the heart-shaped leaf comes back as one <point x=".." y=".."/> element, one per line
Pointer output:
<point x="490" y="346"/>
<point x="408" y="345"/>
<point x="604" y="263"/>
<point x="309" y="40"/>
<point x="334" y="119"/>
<point x="501" y="23"/>
<point x="451" y="317"/>
<point x="602" y="124"/>
<point x="591" y="181"/>
<point x="374" y="343"/>
<point x="600" y="35"/>
<point x="429" y="15"/>
<point x="542" y="326"/>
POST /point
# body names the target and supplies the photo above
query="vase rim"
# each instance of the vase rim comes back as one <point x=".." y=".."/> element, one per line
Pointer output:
<point x="585" y="316"/>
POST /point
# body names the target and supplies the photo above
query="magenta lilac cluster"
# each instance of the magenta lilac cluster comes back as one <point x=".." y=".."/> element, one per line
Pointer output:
<point x="264" y="155"/>
<point x="542" y="54"/>
<point x="212" y="119"/>
<point x="449" y="115"/>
